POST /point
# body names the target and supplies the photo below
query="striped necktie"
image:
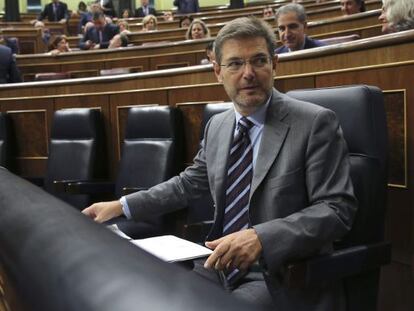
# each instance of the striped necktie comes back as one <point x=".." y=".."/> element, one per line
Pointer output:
<point x="239" y="177"/>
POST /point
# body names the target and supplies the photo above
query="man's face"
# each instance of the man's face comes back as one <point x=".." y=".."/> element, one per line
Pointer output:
<point x="349" y="7"/>
<point x="250" y="85"/>
<point x="55" y="1"/>
<point x="99" y="23"/>
<point x="267" y="12"/>
<point x="144" y="2"/>
<point x="291" y="31"/>
<point x="386" y="28"/>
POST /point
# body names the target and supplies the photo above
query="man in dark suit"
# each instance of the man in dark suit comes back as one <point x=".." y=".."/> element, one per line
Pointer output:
<point x="8" y="69"/>
<point x="145" y="9"/>
<point x="186" y="6"/>
<point x="99" y="36"/>
<point x="278" y="171"/>
<point x="291" y="24"/>
<point x="55" y="12"/>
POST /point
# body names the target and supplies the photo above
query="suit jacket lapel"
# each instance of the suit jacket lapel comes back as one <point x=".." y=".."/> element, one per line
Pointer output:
<point x="224" y="139"/>
<point x="273" y="136"/>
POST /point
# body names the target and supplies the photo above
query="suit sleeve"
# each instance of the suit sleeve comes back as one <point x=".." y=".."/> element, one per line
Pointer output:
<point x="43" y="14"/>
<point x="332" y="204"/>
<point x="174" y="193"/>
<point x="14" y="73"/>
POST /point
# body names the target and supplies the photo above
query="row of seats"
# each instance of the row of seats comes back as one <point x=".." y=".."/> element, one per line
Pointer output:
<point x="358" y="256"/>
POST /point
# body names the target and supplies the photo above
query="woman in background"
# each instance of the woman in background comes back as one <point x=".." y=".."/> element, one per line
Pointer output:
<point x="59" y="45"/>
<point x="149" y="23"/>
<point x="197" y="30"/>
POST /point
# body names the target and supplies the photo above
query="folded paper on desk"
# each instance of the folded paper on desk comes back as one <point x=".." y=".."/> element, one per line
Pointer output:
<point x="172" y="249"/>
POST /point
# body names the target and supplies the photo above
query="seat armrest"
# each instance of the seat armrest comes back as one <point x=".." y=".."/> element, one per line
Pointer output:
<point x="87" y="187"/>
<point x="128" y="190"/>
<point x="340" y="264"/>
<point x="197" y="232"/>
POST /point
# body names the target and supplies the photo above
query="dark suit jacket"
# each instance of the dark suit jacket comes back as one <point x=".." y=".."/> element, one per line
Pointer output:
<point x="61" y="12"/>
<point x="8" y="69"/>
<point x="301" y="197"/>
<point x="140" y="12"/>
<point x="187" y="6"/>
<point x="108" y="32"/>
<point x="309" y="43"/>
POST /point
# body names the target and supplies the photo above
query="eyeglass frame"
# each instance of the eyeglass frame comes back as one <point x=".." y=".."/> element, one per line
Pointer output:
<point x="269" y="60"/>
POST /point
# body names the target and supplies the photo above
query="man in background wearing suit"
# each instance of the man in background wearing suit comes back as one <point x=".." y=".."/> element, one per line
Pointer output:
<point x="8" y="69"/>
<point x="99" y="36"/>
<point x="145" y="9"/>
<point x="55" y="12"/>
<point x="278" y="171"/>
<point x="291" y="24"/>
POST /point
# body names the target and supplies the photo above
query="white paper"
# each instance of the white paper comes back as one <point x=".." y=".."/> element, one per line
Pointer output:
<point x="171" y="248"/>
<point x="114" y="228"/>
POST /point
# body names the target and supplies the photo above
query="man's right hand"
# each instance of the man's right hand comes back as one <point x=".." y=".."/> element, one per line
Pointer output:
<point x="104" y="211"/>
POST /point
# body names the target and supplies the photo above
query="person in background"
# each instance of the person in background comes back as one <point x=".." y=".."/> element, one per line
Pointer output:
<point x="59" y="45"/>
<point x="87" y="17"/>
<point x="126" y="13"/>
<point x="209" y="53"/>
<point x="349" y="7"/>
<point x="397" y="15"/>
<point x="145" y="9"/>
<point x="45" y="33"/>
<point x="123" y="26"/>
<point x="82" y="9"/>
<point x="98" y="37"/>
<point x="168" y="16"/>
<point x="119" y="40"/>
<point x="186" y="6"/>
<point x="9" y="73"/>
<point x="291" y="25"/>
<point x="185" y="21"/>
<point x="268" y="12"/>
<point x="108" y="8"/>
<point x="149" y="23"/>
<point x="55" y="11"/>
<point x="197" y="30"/>
<point x="11" y="43"/>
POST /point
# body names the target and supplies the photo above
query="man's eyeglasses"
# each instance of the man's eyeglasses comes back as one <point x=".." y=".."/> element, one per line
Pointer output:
<point x="257" y="62"/>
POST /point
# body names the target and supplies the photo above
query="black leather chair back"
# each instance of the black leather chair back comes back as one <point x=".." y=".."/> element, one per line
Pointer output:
<point x="361" y="114"/>
<point x="202" y="209"/>
<point x="152" y="148"/>
<point x="76" y="150"/>
<point x="152" y="152"/>
<point x="5" y="141"/>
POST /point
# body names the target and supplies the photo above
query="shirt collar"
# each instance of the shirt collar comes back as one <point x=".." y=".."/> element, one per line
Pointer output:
<point x="302" y="47"/>
<point x="258" y="117"/>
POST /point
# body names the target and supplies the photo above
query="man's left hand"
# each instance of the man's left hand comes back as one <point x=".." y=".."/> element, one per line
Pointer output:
<point x="237" y="250"/>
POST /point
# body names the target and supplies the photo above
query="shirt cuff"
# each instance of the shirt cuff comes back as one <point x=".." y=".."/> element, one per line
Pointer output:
<point x="125" y="207"/>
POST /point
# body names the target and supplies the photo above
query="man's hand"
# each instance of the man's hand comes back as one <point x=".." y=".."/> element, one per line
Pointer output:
<point x="103" y="211"/>
<point x="237" y="250"/>
<point x="63" y="21"/>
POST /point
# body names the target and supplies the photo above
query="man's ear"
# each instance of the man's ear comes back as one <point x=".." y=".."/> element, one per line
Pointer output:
<point x="217" y="72"/>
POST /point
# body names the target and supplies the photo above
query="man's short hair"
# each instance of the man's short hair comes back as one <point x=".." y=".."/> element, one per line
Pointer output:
<point x="292" y="7"/>
<point x="97" y="16"/>
<point x="400" y="14"/>
<point x="242" y="28"/>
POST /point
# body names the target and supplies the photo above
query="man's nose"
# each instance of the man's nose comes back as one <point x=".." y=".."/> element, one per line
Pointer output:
<point x="248" y="71"/>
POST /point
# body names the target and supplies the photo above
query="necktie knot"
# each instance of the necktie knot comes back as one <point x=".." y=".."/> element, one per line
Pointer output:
<point x="244" y="125"/>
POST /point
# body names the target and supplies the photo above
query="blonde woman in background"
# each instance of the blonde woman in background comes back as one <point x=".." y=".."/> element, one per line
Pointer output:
<point x="197" y="30"/>
<point x="149" y="23"/>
